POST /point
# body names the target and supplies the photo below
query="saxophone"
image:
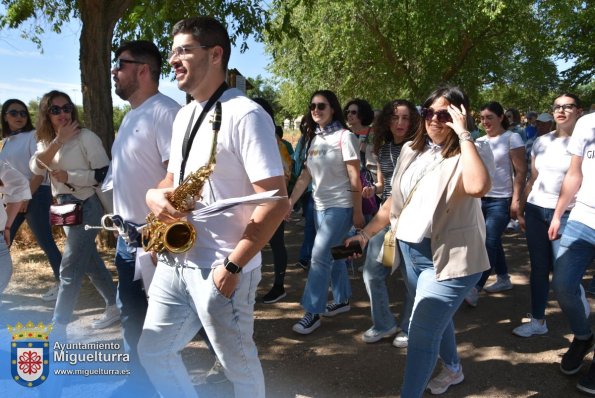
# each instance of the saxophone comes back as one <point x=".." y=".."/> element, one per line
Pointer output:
<point x="179" y="236"/>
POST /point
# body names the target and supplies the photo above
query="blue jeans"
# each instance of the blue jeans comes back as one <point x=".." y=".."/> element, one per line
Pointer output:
<point x="81" y="257"/>
<point x="576" y="252"/>
<point x="309" y="228"/>
<point x="332" y="226"/>
<point x="496" y="212"/>
<point x="38" y="218"/>
<point x="375" y="274"/>
<point x="542" y="253"/>
<point x="5" y="266"/>
<point x="132" y="303"/>
<point x="431" y="329"/>
<point x="277" y="243"/>
<point x="181" y="300"/>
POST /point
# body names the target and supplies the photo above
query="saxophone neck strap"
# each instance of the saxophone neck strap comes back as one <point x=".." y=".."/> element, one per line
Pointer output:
<point x="191" y="130"/>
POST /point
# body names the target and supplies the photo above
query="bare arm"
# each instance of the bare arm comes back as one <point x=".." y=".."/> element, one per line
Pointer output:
<point x="519" y="163"/>
<point x="298" y="189"/>
<point x="356" y="192"/>
<point x="376" y="224"/>
<point x="525" y="195"/>
<point x="475" y="176"/>
<point x="570" y="186"/>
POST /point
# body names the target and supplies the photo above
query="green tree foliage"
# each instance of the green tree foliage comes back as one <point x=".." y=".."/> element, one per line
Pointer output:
<point x="380" y="50"/>
<point x="119" y="113"/>
<point x="571" y="24"/>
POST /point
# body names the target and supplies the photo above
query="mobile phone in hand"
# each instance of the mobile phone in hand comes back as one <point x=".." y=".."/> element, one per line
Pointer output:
<point x="342" y="251"/>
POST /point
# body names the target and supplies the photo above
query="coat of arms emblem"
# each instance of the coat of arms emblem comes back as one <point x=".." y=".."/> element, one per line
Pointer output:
<point x="30" y="353"/>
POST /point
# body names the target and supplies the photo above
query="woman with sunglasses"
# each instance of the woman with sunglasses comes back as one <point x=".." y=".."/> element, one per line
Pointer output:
<point x="332" y="164"/>
<point x="435" y="212"/>
<point x="501" y="203"/>
<point x="77" y="163"/>
<point x="396" y="124"/>
<point x="19" y="145"/>
<point x="549" y="163"/>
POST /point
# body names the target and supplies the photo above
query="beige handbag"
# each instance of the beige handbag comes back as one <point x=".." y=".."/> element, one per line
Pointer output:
<point x="389" y="248"/>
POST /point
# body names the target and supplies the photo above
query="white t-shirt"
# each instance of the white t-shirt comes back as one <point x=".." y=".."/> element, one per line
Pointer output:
<point x="551" y="161"/>
<point x="17" y="151"/>
<point x="501" y="146"/>
<point x="582" y="143"/>
<point x="14" y="188"/>
<point x="326" y="164"/>
<point x="247" y="152"/>
<point x="138" y="154"/>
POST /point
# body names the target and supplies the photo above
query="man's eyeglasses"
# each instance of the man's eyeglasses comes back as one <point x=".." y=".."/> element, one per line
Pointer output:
<point x="56" y="110"/>
<point x="442" y="116"/>
<point x="317" y="105"/>
<point x="350" y="112"/>
<point x="180" y="51"/>
<point x="15" y="113"/>
<point x="119" y="63"/>
<point x="563" y="108"/>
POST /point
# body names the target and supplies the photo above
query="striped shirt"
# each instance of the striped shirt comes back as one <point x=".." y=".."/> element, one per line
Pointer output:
<point x="387" y="159"/>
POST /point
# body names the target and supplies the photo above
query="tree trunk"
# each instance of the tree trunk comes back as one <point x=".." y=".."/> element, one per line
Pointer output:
<point x="99" y="18"/>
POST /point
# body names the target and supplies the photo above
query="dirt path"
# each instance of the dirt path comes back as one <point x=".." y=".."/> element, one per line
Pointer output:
<point x="333" y="362"/>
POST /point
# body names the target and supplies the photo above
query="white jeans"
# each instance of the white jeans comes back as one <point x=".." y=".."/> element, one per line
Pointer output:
<point x="181" y="300"/>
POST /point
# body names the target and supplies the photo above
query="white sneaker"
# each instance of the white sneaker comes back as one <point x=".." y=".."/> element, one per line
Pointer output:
<point x="445" y="379"/>
<point x="110" y="315"/>
<point x="52" y="293"/>
<point x="502" y="283"/>
<point x="534" y="326"/>
<point x="372" y="335"/>
<point x="472" y="297"/>
<point x="401" y="340"/>
<point x="585" y="302"/>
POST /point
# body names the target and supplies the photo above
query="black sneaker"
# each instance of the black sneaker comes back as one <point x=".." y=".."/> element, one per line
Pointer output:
<point x="333" y="309"/>
<point x="309" y="323"/>
<point x="276" y="294"/>
<point x="573" y="359"/>
<point x="586" y="383"/>
<point x="303" y="264"/>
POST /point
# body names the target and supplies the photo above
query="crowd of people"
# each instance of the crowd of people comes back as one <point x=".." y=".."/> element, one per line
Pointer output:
<point x="415" y="188"/>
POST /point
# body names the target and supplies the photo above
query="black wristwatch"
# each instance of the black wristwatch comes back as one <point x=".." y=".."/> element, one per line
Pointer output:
<point x="231" y="267"/>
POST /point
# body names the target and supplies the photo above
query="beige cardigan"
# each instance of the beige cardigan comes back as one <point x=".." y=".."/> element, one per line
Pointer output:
<point x="458" y="227"/>
<point x="79" y="156"/>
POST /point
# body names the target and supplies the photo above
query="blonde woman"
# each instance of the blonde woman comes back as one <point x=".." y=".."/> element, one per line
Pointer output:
<point x="77" y="162"/>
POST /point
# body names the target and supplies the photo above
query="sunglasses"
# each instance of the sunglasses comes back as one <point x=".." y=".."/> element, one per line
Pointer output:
<point x="350" y="112"/>
<point x="56" y="110"/>
<point x="119" y="63"/>
<point x="563" y="108"/>
<point x="15" y="113"/>
<point x="318" y="105"/>
<point x="442" y="116"/>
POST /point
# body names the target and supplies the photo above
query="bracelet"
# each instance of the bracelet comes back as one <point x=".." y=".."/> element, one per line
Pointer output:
<point x="364" y="235"/>
<point x="57" y="141"/>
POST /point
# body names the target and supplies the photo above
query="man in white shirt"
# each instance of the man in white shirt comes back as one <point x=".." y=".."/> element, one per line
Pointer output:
<point x="140" y="154"/>
<point x="213" y="284"/>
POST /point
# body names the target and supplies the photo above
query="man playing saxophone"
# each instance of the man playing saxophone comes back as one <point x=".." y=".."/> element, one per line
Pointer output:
<point x="213" y="284"/>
